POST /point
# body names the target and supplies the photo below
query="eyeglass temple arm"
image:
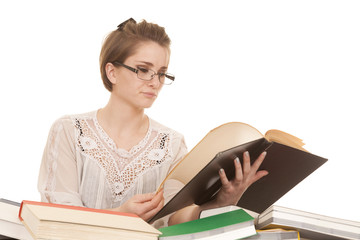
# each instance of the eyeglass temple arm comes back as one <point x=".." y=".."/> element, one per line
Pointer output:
<point x="170" y="77"/>
<point x="126" y="66"/>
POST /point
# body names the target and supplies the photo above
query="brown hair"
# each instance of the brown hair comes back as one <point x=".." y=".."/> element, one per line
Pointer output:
<point x="123" y="42"/>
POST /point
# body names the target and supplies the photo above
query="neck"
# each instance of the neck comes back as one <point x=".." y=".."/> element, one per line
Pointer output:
<point x="120" y="118"/>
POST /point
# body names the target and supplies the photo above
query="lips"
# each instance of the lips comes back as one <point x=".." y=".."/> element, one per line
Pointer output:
<point x="150" y="94"/>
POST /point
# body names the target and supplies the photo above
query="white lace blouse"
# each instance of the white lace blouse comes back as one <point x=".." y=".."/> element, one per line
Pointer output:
<point x="82" y="166"/>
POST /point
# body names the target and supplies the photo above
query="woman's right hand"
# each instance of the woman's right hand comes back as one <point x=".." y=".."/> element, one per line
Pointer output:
<point x="143" y="205"/>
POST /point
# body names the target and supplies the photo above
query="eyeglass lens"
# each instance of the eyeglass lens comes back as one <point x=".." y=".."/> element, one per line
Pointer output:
<point x="148" y="74"/>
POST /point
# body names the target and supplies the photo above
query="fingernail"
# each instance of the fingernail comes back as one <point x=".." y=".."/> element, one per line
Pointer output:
<point x="247" y="154"/>
<point x="237" y="160"/>
<point x="221" y="170"/>
<point x="264" y="154"/>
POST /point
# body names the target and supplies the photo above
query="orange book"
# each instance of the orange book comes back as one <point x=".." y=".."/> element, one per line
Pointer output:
<point x="57" y="221"/>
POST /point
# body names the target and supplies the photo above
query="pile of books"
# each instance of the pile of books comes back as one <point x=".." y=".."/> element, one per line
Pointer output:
<point x="37" y="220"/>
<point x="274" y="223"/>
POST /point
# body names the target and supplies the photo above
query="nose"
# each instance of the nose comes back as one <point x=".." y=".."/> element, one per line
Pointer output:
<point x="155" y="80"/>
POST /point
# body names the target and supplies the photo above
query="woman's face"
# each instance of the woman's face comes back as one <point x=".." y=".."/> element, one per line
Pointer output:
<point x="128" y="88"/>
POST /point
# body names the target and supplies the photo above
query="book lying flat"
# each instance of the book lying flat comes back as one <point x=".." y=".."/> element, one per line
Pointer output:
<point x="287" y="162"/>
<point x="219" y="210"/>
<point x="268" y="234"/>
<point x="275" y="234"/>
<point x="56" y="221"/>
<point x="10" y="225"/>
<point x="234" y="224"/>
<point x="310" y="225"/>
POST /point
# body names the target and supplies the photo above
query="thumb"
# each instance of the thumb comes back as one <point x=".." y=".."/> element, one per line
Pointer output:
<point x="259" y="175"/>
<point x="140" y="198"/>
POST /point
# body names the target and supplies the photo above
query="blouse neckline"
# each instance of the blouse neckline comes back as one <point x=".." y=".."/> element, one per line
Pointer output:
<point x="111" y="143"/>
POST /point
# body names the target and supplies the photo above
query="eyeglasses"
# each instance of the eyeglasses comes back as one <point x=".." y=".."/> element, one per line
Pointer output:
<point x="148" y="74"/>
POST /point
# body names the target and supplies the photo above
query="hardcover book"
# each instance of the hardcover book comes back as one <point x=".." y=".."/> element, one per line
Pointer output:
<point x="310" y="225"/>
<point x="55" y="221"/>
<point x="10" y="225"/>
<point x="287" y="162"/>
<point x="234" y="224"/>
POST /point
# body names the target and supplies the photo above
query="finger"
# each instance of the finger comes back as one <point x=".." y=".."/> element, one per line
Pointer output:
<point x="141" y="198"/>
<point x="161" y="187"/>
<point x="238" y="170"/>
<point x="259" y="161"/>
<point x="148" y="206"/>
<point x="152" y="207"/>
<point x="148" y="198"/>
<point x="224" y="180"/>
<point x="149" y="214"/>
<point x="259" y="175"/>
<point x="156" y="200"/>
<point x="246" y="163"/>
<point x="158" y="197"/>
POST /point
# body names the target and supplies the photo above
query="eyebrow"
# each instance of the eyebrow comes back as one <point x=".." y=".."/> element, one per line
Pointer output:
<point x="152" y="65"/>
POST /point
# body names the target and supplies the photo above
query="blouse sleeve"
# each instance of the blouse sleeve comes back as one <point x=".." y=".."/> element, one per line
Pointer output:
<point x="59" y="172"/>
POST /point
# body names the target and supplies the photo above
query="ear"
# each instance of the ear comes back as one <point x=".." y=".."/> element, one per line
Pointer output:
<point x="110" y="72"/>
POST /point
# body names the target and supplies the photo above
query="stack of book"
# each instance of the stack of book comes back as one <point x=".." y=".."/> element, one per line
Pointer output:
<point x="275" y="223"/>
<point x="10" y="225"/>
<point x="36" y="220"/>
<point x="310" y="225"/>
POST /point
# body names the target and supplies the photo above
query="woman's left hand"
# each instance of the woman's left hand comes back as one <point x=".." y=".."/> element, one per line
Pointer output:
<point x="231" y="191"/>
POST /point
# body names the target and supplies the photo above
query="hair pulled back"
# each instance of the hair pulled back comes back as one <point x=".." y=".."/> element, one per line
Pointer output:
<point x="123" y="42"/>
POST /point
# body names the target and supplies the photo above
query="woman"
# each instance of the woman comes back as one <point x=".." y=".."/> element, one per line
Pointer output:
<point x="116" y="157"/>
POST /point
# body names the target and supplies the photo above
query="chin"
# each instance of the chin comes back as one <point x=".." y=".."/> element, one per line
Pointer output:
<point x="147" y="105"/>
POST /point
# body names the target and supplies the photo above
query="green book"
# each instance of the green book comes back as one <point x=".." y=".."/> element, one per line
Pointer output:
<point x="235" y="224"/>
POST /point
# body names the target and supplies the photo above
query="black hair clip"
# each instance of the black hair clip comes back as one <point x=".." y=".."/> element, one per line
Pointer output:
<point x="122" y="25"/>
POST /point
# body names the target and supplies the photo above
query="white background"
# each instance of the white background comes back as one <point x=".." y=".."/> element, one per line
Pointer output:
<point x="289" y="65"/>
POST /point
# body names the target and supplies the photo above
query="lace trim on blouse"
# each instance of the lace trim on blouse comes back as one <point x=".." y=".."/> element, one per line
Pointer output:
<point x="110" y="142"/>
<point x="121" y="168"/>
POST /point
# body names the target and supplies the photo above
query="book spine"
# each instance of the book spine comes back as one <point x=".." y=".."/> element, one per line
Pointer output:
<point x="20" y="211"/>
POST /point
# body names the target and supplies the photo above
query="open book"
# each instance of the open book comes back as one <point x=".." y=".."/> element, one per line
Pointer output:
<point x="287" y="162"/>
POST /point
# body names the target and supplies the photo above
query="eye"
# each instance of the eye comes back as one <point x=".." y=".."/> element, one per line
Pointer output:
<point x="143" y="70"/>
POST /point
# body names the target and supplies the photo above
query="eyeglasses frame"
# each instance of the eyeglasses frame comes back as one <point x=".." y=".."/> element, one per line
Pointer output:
<point x="171" y="77"/>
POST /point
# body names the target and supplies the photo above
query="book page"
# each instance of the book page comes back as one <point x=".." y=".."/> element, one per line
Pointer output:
<point x="219" y="139"/>
<point x="282" y="137"/>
